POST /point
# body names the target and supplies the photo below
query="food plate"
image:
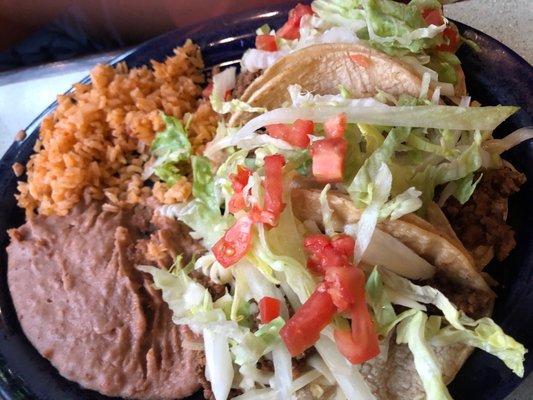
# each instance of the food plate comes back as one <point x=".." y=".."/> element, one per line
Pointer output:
<point x="495" y="75"/>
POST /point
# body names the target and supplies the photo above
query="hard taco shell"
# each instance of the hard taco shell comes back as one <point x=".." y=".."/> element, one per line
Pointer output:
<point x="322" y="68"/>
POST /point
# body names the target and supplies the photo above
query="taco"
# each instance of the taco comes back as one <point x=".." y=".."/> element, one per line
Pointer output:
<point x="395" y="376"/>
<point x="415" y="35"/>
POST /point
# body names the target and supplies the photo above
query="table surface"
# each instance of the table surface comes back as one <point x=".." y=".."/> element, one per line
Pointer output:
<point x="25" y="93"/>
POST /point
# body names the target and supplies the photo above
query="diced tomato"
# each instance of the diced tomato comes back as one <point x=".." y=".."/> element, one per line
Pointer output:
<point x="335" y="127"/>
<point x="356" y="350"/>
<point x="240" y="179"/>
<point x="236" y="203"/>
<point x="322" y="255"/>
<point x="266" y="42"/>
<point x="268" y="309"/>
<point x="361" y="344"/>
<point x="274" y="184"/>
<point x="279" y="131"/>
<point x="342" y="284"/>
<point x="295" y="134"/>
<point x="303" y="329"/>
<point x="235" y="243"/>
<point x="300" y="129"/>
<point x="450" y="35"/>
<point x="433" y="16"/>
<point x="361" y="60"/>
<point x="328" y="159"/>
<point x="291" y="29"/>
<point x="262" y="216"/>
<point x="344" y="244"/>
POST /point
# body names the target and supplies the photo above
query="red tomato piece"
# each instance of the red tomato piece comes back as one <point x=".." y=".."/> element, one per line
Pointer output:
<point x="268" y="309"/>
<point x="274" y="184"/>
<point x="235" y="243"/>
<point x="433" y="16"/>
<point x="303" y="329"/>
<point x="300" y="129"/>
<point x="450" y="35"/>
<point x="322" y="255"/>
<point x="362" y="343"/>
<point x="262" y="216"/>
<point x="344" y="244"/>
<point x="279" y="131"/>
<point x="266" y="42"/>
<point x="361" y="60"/>
<point x="356" y="350"/>
<point x="328" y="159"/>
<point x="291" y="29"/>
<point x="236" y="203"/>
<point x="342" y="284"/>
<point x="240" y="179"/>
<point x="295" y="134"/>
<point x="335" y="127"/>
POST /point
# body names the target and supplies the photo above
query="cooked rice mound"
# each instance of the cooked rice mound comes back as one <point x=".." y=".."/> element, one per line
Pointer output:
<point x="95" y="144"/>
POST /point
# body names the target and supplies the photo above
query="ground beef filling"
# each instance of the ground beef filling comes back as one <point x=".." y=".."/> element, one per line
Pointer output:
<point x="481" y="220"/>
<point x="244" y="79"/>
<point x="472" y="302"/>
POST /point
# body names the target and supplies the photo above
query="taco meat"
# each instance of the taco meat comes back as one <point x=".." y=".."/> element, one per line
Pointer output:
<point x="85" y="307"/>
<point x="481" y="220"/>
<point x="244" y="79"/>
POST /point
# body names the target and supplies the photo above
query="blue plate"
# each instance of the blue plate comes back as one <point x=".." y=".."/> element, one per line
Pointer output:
<point x="495" y="75"/>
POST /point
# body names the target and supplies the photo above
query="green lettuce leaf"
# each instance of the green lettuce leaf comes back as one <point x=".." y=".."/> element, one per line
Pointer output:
<point x="411" y="331"/>
<point x="203" y="187"/>
<point x="170" y="147"/>
<point x="486" y="335"/>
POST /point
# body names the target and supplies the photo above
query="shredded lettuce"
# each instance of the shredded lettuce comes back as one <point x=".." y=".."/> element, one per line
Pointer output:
<point x="412" y="332"/>
<point x="347" y="375"/>
<point x="427" y="116"/>
<point x="170" y="147"/>
<point x="488" y="336"/>
<point x="326" y="211"/>
<point x="218" y="363"/>
<point x="253" y="346"/>
<point x="465" y="187"/>
<point x="181" y="293"/>
<point x="483" y="333"/>
<point x="203" y="187"/>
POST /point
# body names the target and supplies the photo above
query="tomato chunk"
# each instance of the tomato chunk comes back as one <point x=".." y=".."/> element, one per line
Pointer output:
<point x="322" y="255"/>
<point x="344" y="244"/>
<point x="356" y="350"/>
<point x="274" y="184"/>
<point x="335" y="127"/>
<point x="361" y="344"/>
<point x="238" y="181"/>
<point x="268" y="309"/>
<point x="303" y="329"/>
<point x="328" y="159"/>
<point x="236" y="203"/>
<point x="235" y="243"/>
<point x="291" y="29"/>
<point x="266" y="42"/>
<point x="262" y="216"/>
<point x="295" y="134"/>
<point x="342" y="284"/>
<point x="433" y="16"/>
<point x="450" y="35"/>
